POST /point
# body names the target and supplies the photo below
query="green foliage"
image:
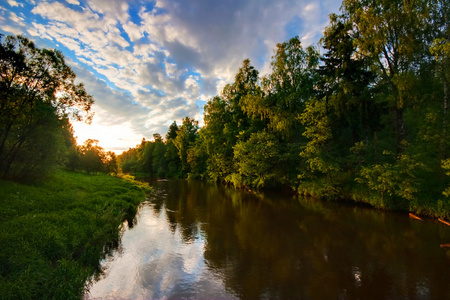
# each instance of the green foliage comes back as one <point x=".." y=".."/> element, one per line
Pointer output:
<point x="317" y="152"/>
<point x="258" y="161"/>
<point x="159" y="161"/>
<point x="393" y="34"/>
<point x="441" y="50"/>
<point x="173" y="160"/>
<point x="186" y="136"/>
<point x="37" y="96"/>
<point x="197" y="159"/>
<point x="321" y="124"/>
<point x="38" y="153"/>
<point x="92" y="156"/>
<point x="286" y="90"/>
<point x="54" y="234"/>
<point x="218" y="139"/>
<point x="392" y="180"/>
<point x="446" y="167"/>
<point x="154" y="159"/>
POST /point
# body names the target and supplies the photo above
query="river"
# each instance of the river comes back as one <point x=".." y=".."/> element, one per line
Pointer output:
<point x="195" y="240"/>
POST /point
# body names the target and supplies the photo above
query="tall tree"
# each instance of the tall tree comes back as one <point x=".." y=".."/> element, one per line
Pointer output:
<point x="226" y="123"/>
<point x="245" y="85"/>
<point x="441" y="51"/>
<point x="345" y="87"/>
<point x="218" y="139"/>
<point x="392" y="33"/>
<point x="186" y="136"/>
<point x="260" y="161"/>
<point x="111" y="163"/>
<point x="286" y="90"/>
<point x="173" y="131"/>
<point x="93" y="157"/>
<point x="278" y="103"/>
<point x="33" y="82"/>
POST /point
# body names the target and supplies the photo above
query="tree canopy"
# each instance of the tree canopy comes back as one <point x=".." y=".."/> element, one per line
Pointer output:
<point x="38" y="97"/>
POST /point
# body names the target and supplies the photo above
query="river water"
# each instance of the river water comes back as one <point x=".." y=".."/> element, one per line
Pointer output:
<point x="194" y="240"/>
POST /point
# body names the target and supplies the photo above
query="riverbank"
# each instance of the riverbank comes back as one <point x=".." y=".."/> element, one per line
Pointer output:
<point x="54" y="234"/>
<point x="426" y="204"/>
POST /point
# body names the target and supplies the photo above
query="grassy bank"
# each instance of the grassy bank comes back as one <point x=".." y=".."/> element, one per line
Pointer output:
<point x="53" y="234"/>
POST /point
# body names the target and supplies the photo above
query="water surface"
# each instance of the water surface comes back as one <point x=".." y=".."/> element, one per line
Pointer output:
<point x="202" y="241"/>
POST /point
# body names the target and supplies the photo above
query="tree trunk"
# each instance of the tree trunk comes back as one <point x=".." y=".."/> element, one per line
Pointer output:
<point x="401" y="133"/>
<point x="444" y="120"/>
<point x="375" y="147"/>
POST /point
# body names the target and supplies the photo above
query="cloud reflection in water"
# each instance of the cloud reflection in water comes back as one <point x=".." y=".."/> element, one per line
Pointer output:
<point x="155" y="262"/>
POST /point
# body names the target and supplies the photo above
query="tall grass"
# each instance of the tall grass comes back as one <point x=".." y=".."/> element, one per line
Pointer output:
<point x="53" y="234"/>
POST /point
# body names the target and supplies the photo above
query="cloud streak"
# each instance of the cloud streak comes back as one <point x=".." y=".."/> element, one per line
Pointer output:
<point x="149" y="63"/>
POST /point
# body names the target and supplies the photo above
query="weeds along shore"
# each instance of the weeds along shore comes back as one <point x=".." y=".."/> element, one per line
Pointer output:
<point x="54" y="233"/>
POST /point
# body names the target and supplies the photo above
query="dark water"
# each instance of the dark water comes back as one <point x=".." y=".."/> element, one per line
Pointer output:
<point x="200" y="241"/>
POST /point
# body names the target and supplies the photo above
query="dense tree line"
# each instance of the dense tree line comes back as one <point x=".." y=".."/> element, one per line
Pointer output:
<point x="38" y="99"/>
<point x="367" y="119"/>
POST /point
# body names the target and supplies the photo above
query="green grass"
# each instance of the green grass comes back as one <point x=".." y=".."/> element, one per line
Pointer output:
<point x="53" y="234"/>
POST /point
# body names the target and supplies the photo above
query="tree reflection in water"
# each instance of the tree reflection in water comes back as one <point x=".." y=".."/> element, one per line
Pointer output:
<point x="225" y="243"/>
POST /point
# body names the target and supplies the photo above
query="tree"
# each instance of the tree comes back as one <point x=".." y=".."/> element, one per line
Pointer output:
<point x="159" y="159"/>
<point x="93" y="157"/>
<point x="392" y="180"/>
<point x="278" y="103"/>
<point x="197" y="158"/>
<point x="41" y="151"/>
<point x="245" y="85"/>
<point x="171" y="156"/>
<point x="173" y="131"/>
<point x="286" y="90"/>
<point x="217" y="138"/>
<point x="441" y="51"/>
<point x="319" y="153"/>
<point x="260" y="161"/>
<point x="128" y="160"/>
<point x="110" y="162"/>
<point x="345" y="80"/>
<point x="392" y="34"/>
<point x="226" y="123"/>
<point x="186" y="136"/>
<point x="36" y="86"/>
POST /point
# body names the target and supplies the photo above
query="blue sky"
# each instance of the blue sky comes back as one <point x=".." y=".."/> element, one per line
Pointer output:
<point x="148" y="63"/>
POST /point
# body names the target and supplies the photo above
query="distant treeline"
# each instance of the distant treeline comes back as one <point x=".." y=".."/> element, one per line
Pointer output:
<point x="367" y="119"/>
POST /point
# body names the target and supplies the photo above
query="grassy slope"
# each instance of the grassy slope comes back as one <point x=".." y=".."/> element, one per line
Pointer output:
<point x="52" y="235"/>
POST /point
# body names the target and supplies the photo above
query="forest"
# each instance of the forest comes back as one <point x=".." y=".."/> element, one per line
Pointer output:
<point x="363" y="117"/>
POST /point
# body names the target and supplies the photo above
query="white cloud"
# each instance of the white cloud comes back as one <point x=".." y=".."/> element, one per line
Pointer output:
<point x="14" y="3"/>
<point x="160" y="61"/>
<point x="85" y="61"/>
<point x="74" y="2"/>
<point x="133" y="31"/>
<point x="16" y="19"/>
<point x="11" y="29"/>
<point x="111" y="9"/>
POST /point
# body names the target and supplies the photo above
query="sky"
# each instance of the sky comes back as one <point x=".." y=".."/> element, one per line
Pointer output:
<point x="149" y="63"/>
